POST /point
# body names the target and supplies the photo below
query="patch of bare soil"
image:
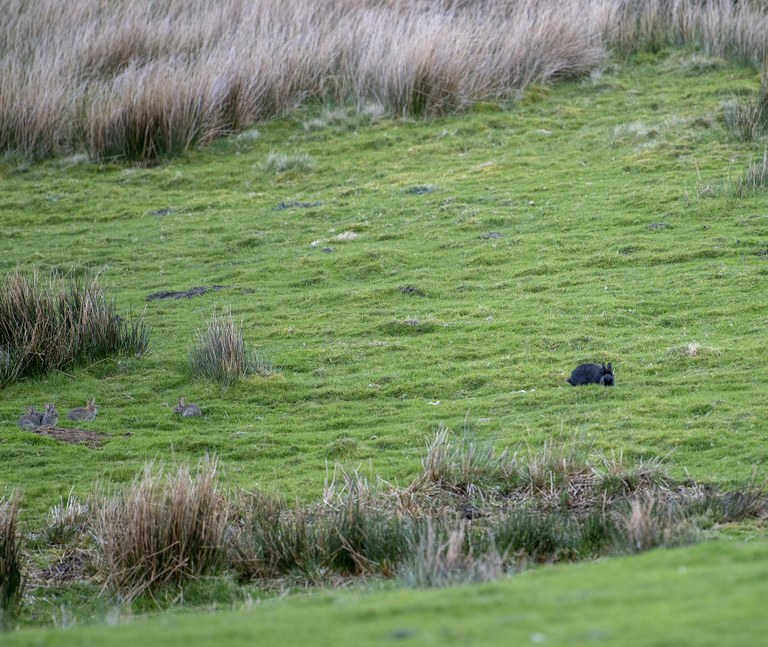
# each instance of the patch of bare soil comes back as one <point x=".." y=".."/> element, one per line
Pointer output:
<point x="184" y="294"/>
<point x="75" y="436"/>
<point x="75" y="565"/>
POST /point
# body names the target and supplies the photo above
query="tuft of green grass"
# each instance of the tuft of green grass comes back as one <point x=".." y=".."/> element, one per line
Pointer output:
<point x="274" y="540"/>
<point x="466" y="466"/>
<point x="67" y="520"/>
<point x="442" y="557"/>
<point x="747" y="120"/>
<point x="282" y="162"/>
<point x="553" y="536"/>
<point x="756" y="177"/>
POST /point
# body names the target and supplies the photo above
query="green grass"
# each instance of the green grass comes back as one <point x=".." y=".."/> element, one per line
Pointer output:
<point x="607" y="253"/>
<point x="494" y="251"/>
<point x="711" y="594"/>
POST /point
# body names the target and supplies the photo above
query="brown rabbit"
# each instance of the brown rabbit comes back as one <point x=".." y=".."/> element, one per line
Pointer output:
<point x="187" y="410"/>
<point x="31" y="420"/>
<point x="84" y="413"/>
<point x="50" y="417"/>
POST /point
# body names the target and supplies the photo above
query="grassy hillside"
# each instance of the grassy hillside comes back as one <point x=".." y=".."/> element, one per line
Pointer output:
<point x="402" y="275"/>
<point x="491" y="254"/>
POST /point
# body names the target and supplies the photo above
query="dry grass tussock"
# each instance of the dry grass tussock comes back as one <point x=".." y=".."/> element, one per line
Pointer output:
<point x="166" y="528"/>
<point x="48" y="323"/>
<point x="11" y="580"/>
<point x="471" y="515"/>
<point x="143" y="80"/>
<point x="220" y="353"/>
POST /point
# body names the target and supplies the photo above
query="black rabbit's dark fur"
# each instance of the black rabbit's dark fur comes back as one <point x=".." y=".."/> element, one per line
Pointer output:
<point x="592" y="374"/>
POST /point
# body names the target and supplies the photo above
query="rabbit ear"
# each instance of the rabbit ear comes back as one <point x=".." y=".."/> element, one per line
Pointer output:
<point x="181" y="402"/>
<point x="603" y="365"/>
<point x="610" y="368"/>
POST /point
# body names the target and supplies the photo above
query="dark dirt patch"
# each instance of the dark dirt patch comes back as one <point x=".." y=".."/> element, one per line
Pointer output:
<point x="74" y="436"/>
<point x="492" y="234"/>
<point x="412" y="290"/>
<point x="297" y="204"/>
<point x="75" y="565"/>
<point x="658" y="225"/>
<point x="184" y="294"/>
<point x="420" y="189"/>
<point x="162" y="212"/>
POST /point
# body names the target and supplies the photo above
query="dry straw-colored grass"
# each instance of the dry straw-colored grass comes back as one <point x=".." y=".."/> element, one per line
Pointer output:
<point x="165" y="529"/>
<point x="11" y="580"/>
<point x="47" y="323"/>
<point x="468" y="517"/>
<point x="143" y="80"/>
<point x="220" y="353"/>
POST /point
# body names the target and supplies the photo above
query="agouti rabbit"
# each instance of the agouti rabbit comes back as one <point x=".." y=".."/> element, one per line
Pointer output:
<point x="187" y="410"/>
<point x="31" y="420"/>
<point x="50" y="417"/>
<point x="592" y="374"/>
<point x="84" y="413"/>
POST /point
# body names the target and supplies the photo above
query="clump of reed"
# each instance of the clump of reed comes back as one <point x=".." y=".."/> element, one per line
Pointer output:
<point x="755" y="178"/>
<point x="473" y="514"/>
<point x="11" y="579"/>
<point x="52" y="323"/>
<point x="220" y="353"/>
<point x="167" y="528"/>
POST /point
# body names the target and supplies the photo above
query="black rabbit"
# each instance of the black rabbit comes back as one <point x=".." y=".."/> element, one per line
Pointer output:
<point x="592" y="374"/>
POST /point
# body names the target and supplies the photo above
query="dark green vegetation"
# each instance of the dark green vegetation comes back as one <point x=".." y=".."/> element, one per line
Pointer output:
<point x="404" y="275"/>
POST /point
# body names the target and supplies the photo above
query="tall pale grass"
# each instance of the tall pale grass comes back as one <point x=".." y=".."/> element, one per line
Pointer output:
<point x="165" y="529"/>
<point x="142" y="80"/>
<point x="11" y="580"/>
<point x="220" y="353"/>
<point x="47" y="323"/>
<point x="459" y="521"/>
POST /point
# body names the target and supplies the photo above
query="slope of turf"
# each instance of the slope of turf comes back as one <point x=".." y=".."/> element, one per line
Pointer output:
<point x="711" y="594"/>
